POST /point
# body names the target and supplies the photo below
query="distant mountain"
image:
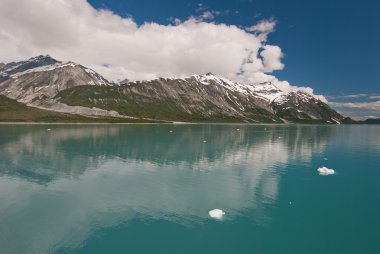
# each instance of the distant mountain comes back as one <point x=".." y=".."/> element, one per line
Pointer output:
<point x="72" y="88"/>
<point x="348" y="120"/>
<point x="371" y="121"/>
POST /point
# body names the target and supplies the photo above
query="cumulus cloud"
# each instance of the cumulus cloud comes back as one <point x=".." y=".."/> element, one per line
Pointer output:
<point x="74" y="30"/>
<point x="119" y="48"/>
<point x="272" y="56"/>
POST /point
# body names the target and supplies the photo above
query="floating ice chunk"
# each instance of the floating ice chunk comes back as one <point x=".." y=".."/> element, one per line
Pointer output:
<point x="49" y="129"/>
<point x="325" y="159"/>
<point x="326" y="171"/>
<point x="216" y="213"/>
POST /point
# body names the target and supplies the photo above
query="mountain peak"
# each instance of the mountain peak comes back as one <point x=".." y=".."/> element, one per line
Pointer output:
<point x="31" y="63"/>
<point x="40" y="57"/>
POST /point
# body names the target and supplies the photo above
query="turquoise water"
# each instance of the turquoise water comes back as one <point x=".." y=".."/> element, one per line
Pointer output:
<point x="149" y="188"/>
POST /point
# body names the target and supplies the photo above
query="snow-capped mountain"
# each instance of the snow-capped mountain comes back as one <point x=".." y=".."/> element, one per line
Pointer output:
<point x="303" y="106"/>
<point x="69" y="87"/>
<point x="37" y="80"/>
<point x="6" y="70"/>
<point x="44" y="75"/>
<point x="265" y="90"/>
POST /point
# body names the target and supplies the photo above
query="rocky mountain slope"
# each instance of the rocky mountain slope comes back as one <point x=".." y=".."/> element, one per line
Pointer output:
<point x="197" y="98"/>
<point x="302" y="107"/>
<point x="37" y="80"/>
<point x="46" y="83"/>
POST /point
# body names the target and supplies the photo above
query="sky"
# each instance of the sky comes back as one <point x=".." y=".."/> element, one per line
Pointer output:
<point x="329" y="48"/>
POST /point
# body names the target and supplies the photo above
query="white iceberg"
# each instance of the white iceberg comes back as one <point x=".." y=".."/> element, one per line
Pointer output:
<point x="326" y="171"/>
<point x="216" y="213"/>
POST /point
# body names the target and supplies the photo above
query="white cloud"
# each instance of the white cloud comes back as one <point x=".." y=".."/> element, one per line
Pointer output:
<point x="357" y="96"/>
<point x="374" y="105"/>
<point x="175" y="21"/>
<point x="74" y="30"/>
<point x="351" y="96"/>
<point x="354" y="95"/>
<point x="272" y="56"/>
<point x="118" y="48"/>
<point x="358" y="110"/>
<point x="207" y="15"/>
<point x="366" y="117"/>
<point x="263" y="28"/>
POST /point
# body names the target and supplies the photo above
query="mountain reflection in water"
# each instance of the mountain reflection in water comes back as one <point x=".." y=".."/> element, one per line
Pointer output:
<point x="76" y="179"/>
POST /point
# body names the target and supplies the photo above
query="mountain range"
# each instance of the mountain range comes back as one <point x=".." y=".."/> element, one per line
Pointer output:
<point x="71" y="90"/>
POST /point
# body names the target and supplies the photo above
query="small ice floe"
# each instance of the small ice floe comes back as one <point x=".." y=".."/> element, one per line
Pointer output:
<point x="238" y="129"/>
<point x="170" y="131"/>
<point x="325" y="159"/>
<point x="204" y="141"/>
<point x="216" y="213"/>
<point x="49" y="129"/>
<point x="326" y="171"/>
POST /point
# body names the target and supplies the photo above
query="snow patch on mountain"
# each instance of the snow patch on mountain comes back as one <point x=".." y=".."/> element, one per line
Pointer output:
<point x="38" y="61"/>
<point x="44" y="68"/>
<point x="45" y="63"/>
<point x="265" y="90"/>
<point x="271" y="91"/>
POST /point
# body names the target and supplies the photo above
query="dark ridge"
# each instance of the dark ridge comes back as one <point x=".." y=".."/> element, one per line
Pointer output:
<point x="34" y="62"/>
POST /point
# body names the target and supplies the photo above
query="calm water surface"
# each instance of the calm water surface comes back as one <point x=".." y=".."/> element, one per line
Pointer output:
<point x="148" y="189"/>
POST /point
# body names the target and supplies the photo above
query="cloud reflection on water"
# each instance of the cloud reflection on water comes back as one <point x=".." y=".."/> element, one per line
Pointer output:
<point x="74" y="180"/>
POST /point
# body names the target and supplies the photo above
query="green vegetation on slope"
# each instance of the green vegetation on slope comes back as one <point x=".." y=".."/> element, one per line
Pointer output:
<point x="13" y="111"/>
<point x="138" y="105"/>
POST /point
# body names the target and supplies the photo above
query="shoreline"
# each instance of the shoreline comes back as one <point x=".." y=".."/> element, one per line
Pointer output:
<point x="166" y="123"/>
